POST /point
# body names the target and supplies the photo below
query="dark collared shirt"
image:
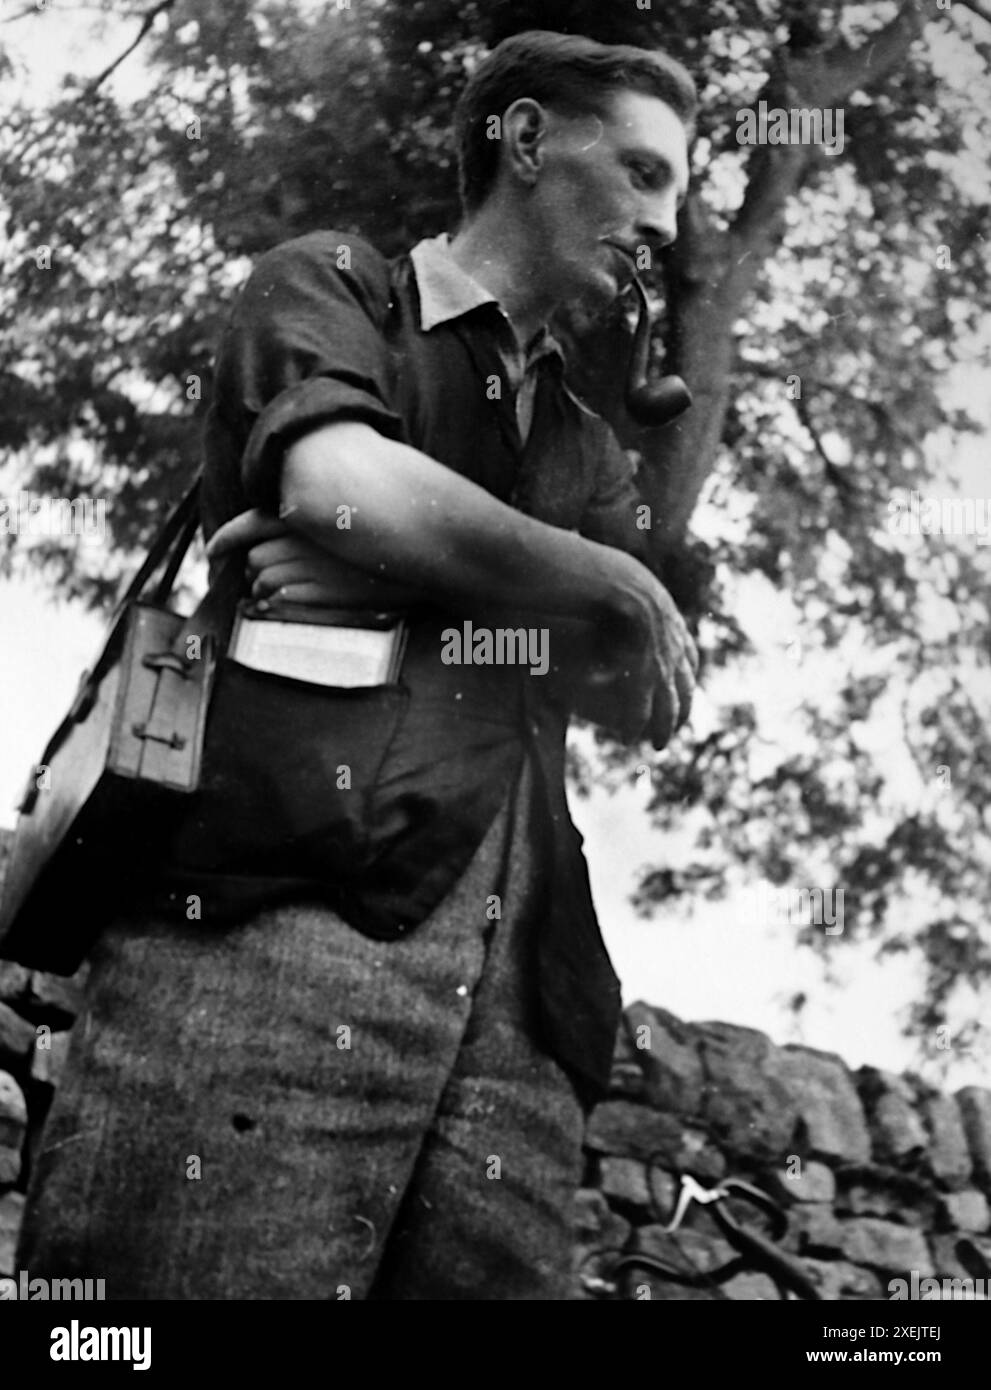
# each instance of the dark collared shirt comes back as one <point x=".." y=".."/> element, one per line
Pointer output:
<point x="327" y="329"/>
<point x="446" y="292"/>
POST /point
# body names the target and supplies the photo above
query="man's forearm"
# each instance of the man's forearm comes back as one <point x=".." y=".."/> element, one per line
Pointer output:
<point x="413" y="521"/>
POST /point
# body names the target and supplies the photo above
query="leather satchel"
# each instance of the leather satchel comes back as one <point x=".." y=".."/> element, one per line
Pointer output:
<point x="123" y="762"/>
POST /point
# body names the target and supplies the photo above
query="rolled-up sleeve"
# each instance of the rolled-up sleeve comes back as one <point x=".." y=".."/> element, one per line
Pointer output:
<point x="305" y="345"/>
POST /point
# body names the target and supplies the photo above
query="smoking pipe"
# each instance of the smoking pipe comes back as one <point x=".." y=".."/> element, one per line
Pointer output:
<point x="651" y="405"/>
<point x="646" y="404"/>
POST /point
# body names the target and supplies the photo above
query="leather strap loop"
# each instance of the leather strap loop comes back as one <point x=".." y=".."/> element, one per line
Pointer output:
<point x="175" y="538"/>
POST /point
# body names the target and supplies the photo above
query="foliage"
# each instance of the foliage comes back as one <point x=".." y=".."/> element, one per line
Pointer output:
<point x="260" y="121"/>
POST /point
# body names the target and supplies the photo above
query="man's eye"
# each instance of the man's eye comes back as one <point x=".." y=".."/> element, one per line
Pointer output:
<point x="643" y="174"/>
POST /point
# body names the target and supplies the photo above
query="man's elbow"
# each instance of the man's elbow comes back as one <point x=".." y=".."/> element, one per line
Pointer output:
<point x="319" y="475"/>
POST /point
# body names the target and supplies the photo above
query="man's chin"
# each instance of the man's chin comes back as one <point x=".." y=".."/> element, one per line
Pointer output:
<point x="602" y="290"/>
<point x="592" y="293"/>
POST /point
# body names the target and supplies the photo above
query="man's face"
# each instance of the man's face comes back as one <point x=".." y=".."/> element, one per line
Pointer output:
<point x="620" y="179"/>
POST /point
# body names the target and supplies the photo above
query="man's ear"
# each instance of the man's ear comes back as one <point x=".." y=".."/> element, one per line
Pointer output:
<point x="524" y="130"/>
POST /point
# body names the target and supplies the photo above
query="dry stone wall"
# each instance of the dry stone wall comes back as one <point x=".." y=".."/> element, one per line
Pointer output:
<point x="880" y="1175"/>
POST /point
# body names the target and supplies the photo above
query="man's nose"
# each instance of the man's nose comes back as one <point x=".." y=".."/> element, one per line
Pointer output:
<point x="657" y="225"/>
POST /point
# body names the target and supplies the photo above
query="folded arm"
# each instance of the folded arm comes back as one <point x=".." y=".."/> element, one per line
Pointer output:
<point x="396" y="526"/>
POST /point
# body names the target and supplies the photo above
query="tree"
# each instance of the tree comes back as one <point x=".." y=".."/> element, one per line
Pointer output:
<point x="817" y="304"/>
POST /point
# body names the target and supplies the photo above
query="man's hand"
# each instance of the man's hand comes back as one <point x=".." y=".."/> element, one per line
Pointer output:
<point x="635" y="678"/>
<point x="286" y="565"/>
<point x="667" y="672"/>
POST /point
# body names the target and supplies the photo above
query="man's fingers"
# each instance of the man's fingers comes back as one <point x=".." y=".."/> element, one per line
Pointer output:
<point x="684" y="681"/>
<point x="663" y="715"/>
<point x="274" y="577"/>
<point x="247" y="528"/>
<point x="629" y="720"/>
<point x="309" y="592"/>
<point x="287" y="549"/>
<point x="690" y="652"/>
<point x="681" y="649"/>
<point x="673" y="694"/>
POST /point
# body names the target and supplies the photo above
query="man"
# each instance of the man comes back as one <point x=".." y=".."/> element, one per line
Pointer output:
<point x="375" y="1084"/>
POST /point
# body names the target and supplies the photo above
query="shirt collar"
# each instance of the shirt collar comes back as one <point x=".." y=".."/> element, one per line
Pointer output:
<point x="447" y="292"/>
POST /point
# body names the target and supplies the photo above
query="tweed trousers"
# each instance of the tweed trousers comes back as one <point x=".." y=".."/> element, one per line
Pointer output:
<point x="287" y="1109"/>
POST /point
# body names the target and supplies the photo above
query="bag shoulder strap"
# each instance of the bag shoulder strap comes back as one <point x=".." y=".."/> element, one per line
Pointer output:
<point x="176" y="536"/>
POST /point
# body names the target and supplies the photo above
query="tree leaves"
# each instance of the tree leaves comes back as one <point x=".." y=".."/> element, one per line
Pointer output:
<point x="863" y="279"/>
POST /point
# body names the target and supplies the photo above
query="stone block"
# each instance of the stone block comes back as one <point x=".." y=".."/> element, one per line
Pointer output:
<point x="897" y="1133"/>
<point x="623" y="1181"/>
<point x="667" y="1052"/>
<point x="975" y="1111"/>
<point x="960" y="1256"/>
<point x="599" y="1233"/>
<point x="803" y="1182"/>
<point x="55" y="999"/>
<point x="10" y="1166"/>
<point x="629" y="1130"/>
<point x="626" y="1079"/>
<point x="946" y="1261"/>
<point x="625" y="1129"/>
<point x="827" y="1103"/>
<point x="11" y="1216"/>
<point x="594" y="1221"/>
<point x="48" y="1063"/>
<point x="645" y="1284"/>
<point x="15" y="980"/>
<point x="839" y="1281"/>
<point x="16" y="1041"/>
<point x="698" y="1157"/>
<point x="965" y="1211"/>
<point x="947" y="1148"/>
<point x="751" y="1288"/>
<point x="814" y="1230"/>
<point x="870" y="1190"/>
<point x="13" y="1112"/>
<point x="664" y="1188"/>
<point x="746" y="1104"/>
<point x="885" y="1246"/>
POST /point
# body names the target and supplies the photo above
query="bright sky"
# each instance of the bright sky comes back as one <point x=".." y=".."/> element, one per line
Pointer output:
<point x="715" y="963"/>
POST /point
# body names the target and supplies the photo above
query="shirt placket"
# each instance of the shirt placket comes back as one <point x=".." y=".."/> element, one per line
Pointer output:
<point x="490" y="362"/>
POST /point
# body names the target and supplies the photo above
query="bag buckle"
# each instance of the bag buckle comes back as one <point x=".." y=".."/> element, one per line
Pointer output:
<point x="172" y="740"/>
<point x="168" y="661"/>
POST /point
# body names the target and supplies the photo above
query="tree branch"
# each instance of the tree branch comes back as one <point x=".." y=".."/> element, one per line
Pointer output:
<point x="835" y="474"/>
<point x="775" y="172"/>
<point x="146" y="24"/>
<point x="777" y="372"/>
<point x="827" y="79"/>
<point x="832" y="470"/>
<point x="877" y="408"/>
<point x="21" y="14"/>
<point x="817" y="80"/>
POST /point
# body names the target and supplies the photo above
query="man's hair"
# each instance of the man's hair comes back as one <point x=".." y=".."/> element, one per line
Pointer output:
<point x="572" y="75"/>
